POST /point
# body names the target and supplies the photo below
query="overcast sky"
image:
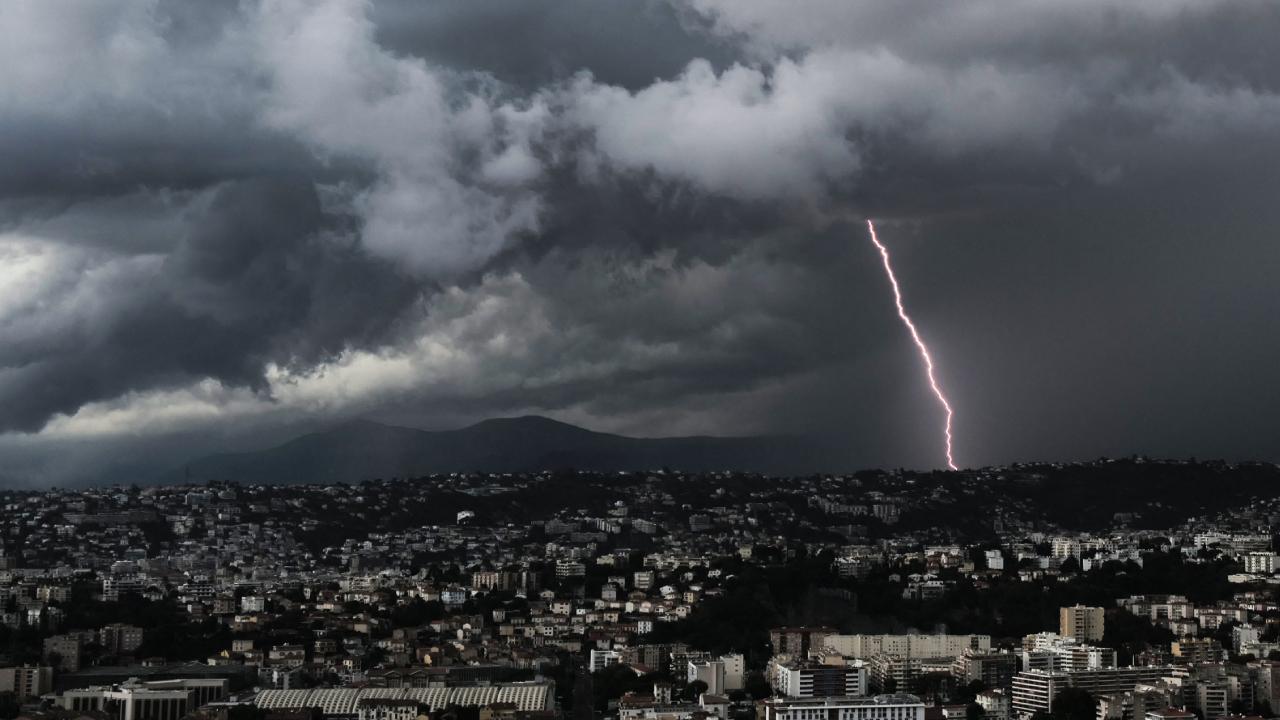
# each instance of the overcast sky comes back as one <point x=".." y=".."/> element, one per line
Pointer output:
<point x="225" y="223"/>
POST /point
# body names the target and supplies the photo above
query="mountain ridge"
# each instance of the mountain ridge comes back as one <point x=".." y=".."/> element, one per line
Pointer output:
<point x="362" y="449"/>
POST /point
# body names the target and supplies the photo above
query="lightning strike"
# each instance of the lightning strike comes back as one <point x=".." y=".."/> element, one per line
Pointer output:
<point x="915" y="336"/>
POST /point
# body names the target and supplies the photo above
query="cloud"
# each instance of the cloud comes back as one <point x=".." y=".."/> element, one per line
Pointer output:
<point x="271" y="214"/>
<point x="512" y="340"/>
<point x="455" y="166"/>
<point x="798" y="127"/>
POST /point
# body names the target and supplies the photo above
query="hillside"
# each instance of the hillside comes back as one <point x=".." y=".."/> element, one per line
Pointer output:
<point x="363" y="450"/>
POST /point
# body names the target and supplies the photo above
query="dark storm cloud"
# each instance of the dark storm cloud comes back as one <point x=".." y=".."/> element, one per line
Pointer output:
<point x="532" y="44"/>
<point x="261" y="260"/>
<point x="252" y="279"/>
<point x="642" y="216"/>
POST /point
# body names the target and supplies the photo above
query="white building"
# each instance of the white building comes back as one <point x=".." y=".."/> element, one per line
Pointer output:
<point x="601" y="659"/>
<point x="1053" y="652"/>
<point x="809" y="680"/>
<point x="710" y="672"/>
<point x="388" y="709"/>
<point x="880" y="707"/>
<point x="1034" y="690"/>
<point x="1243" y="636"/>
<point x="569" y="569"/>
<point x="158" y="700"/>
<point x="995" y="704"/>
<point x="735" y="671"/>
<point x="1065" y="547"/>
<point x="1158" y="608"/>
<point x="723" y="674"/>
<point x="906" y="646"/>
<point x="1261" y="563"/>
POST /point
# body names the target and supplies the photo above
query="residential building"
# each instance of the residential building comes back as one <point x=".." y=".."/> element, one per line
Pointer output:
<point x="66" y="648"/>
<point x="710" y="672"/>
<point x="371" y="708"/>
<point x="879" y="707"/>
<point x="995" y="704"/>
<point x="1034" y="690"/>
<point x="905" y="646"/>
<point x="992" y="669"/>
<point x="27" y="681"/>
<point x="1135" y="704"/>
<point x="1261" y="563"/>
<point x="601" y="659"/>
<point x="799" y="679"/>
<point x="1197" y="650"/>
<point x="798" y="641"/>
<point x="1081" y="622"/>
<point x="118" y="639"/>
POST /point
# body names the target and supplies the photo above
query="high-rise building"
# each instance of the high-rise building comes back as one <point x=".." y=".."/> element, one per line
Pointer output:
<point x="735" y="671"/>
<point x="26" y="682"/>
<point x="1081" y="622"/>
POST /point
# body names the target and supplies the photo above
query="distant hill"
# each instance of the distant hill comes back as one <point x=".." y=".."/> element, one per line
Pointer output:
<point x="362" y="450"/>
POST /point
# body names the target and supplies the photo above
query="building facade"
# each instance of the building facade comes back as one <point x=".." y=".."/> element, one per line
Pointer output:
<point x="1082" y="622"/>
<point x="879" y="707"/>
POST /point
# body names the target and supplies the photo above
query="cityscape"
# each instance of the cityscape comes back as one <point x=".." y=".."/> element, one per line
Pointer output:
<point x="649" y="596"/>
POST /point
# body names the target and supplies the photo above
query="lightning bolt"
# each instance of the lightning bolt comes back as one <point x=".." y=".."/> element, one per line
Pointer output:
<point x="915" y="336"/>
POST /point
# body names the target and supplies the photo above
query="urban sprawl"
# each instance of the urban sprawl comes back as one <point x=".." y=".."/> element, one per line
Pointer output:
<point x="1053" y="592"/>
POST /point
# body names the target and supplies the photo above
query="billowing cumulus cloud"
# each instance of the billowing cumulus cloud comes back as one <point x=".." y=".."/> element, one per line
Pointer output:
<point x="225" y="222"/>
<point x="448" y="152"/>
<point x="796" y="128"/>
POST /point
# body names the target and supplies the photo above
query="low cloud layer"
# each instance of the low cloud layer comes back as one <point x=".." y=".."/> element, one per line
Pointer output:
<point x="225" y="222"/>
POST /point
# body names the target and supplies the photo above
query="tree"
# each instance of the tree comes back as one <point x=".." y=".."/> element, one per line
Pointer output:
<point x="757" y="687"/>
<point x="9" y="707"/>
<point x="615" y="681"/>
<point x="1074" y="704"/>
<point x="694" y="690"/>
<point x="967" y="692"/>
<point x="246" y="712"/>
